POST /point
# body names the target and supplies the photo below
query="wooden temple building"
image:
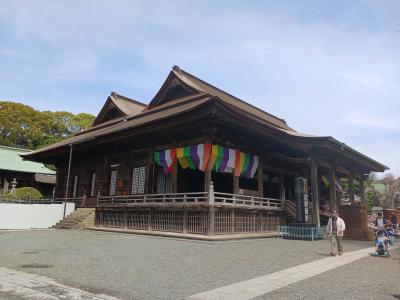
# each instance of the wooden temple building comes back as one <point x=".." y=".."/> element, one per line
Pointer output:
<point x="199" y="160"/>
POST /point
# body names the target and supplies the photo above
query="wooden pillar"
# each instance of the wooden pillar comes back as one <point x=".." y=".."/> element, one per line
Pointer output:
<point x="332" y="189"/>
<point x="235" y="184"/>
<point x="185" y="220"/>
<point x="232" y="220"/>
<point x="260" y="179"/>
<point x="150" y="220"/>
<point x="174" y="177"/>
<point x="211" y="220"/>
<point x="351" y="188"/>
<point x="126" y="218"/>
<point x="362" y="189"/>
<point x="315" y="192"/>
<point x="281" y="186"/>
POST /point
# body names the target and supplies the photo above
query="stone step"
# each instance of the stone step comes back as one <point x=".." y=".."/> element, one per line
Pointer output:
<point x="79" y="219"/>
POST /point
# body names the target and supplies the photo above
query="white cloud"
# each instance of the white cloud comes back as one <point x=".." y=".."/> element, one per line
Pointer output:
<point x="368" y="120"/>
<point x="325" y="67"/>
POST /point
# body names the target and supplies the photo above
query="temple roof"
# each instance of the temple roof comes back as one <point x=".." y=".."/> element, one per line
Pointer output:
<point x="118" y="106"/>
<point x="182" y="92"/>
<point x="180" y="79"/>
<point x="10" y="160"/>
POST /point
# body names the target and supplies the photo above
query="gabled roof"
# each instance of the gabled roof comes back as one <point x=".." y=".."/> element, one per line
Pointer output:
<point x="181" y="93"/>
<point x="118" y="106"/>
<point x="171" y="109"/>
<point x="11" y="161"/>
<point x="183" y="80"/>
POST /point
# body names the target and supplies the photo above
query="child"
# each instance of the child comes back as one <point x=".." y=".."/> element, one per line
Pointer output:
<point x="390" y="232"/>
<point x="381" y="243"/>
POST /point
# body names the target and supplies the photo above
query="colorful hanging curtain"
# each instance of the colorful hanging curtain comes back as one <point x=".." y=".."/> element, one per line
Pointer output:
<point x="165" y="159"/>
<point x="227" y="163"/>
<point x="200" y="155"/>
<point x="215" y="157"/>
<point x="194" y="156"/>
<point x="183" y="155"/>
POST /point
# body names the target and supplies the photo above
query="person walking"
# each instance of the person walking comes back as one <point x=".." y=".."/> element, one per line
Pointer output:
<point x="335" y="229"/>
<point x="380" y="222"/>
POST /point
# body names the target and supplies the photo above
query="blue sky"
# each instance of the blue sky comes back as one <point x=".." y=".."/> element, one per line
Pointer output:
<point x="326" y="67"/>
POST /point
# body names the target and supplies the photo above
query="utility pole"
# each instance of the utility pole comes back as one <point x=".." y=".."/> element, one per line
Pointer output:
<point x="68" y="175"/>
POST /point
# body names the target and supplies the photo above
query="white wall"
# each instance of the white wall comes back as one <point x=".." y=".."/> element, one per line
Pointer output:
<point x="29" y="216"/>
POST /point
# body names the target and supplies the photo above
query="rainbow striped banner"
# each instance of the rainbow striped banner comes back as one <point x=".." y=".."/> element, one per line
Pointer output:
<point x="215" y="157"/>
<point x="165" y="159"/>
<point x="194" y="156"/>
<point x="229" y="160"/>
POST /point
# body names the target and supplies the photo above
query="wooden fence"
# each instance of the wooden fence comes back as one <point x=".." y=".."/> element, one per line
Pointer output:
<point x="193" y="220"/>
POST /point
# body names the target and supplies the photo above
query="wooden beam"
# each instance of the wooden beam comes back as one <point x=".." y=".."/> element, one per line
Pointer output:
<point x="278" y="170"/>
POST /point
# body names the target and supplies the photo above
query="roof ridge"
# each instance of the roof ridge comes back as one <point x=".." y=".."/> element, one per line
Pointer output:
<point x="142" y="113"/>
<point x="179" y="71"/>
<point x="128" y="99"/>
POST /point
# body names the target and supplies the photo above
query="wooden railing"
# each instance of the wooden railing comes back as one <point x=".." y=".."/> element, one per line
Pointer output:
<point x="155" y="198"/>
<point x="200" y="198"/>
<point x="249" y="201"/>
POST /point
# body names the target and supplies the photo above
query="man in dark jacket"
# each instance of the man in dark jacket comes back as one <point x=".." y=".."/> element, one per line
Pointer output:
<point x="393" y="219"/>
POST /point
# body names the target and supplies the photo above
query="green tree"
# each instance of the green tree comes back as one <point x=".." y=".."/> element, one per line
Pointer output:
<point x="19" y="126"/>
<point x="24" y="127"/>
<point x="371" y="194"/>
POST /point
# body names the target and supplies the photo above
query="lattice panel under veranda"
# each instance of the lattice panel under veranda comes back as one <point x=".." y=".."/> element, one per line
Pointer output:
<point x="168" y="221"/>
<point x="246" y="222"/>
<point x="222" y="222"/>
<point x="138" y="220"/>
<point x="270" y="222"/>
<point x="197" y="222"/>
<point x="113" y="219"/>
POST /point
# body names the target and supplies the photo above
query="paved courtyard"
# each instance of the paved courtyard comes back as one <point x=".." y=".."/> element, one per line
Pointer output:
<point x="139" y="267"/>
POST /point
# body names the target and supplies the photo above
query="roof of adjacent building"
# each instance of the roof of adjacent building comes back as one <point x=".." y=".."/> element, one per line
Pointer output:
<point x="10" y="160"/>
<point x="123" y="107"/>
<point x="182" y="92"/>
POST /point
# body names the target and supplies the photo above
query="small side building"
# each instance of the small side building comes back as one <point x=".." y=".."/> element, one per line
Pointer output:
<point x="26" y="173"/>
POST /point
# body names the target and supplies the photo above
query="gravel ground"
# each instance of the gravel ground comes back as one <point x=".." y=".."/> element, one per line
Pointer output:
<point x="367" y="278"/>
<point x="139" y="267"/>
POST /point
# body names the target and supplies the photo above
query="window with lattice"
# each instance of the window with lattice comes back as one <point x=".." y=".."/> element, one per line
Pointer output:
<point x="113" y="182"/>
<point x="138" y="180"/>
<point x="163" y="182"/>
